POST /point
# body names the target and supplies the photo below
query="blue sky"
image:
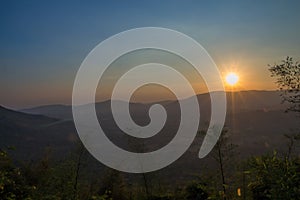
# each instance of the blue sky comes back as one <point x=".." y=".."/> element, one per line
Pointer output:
<point x="44" y="43"/>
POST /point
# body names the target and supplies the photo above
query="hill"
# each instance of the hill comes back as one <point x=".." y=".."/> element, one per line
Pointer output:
<point x="255" y="119"/>
<point x="31" y="134"/>
<point x="242" y="101"/>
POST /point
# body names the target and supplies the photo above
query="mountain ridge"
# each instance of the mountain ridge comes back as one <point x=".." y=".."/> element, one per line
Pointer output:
<point x="244" y="100"/>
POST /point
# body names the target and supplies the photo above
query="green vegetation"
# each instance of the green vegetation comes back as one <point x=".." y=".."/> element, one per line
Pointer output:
<point x="273" y="177"/>
<point x="263" y="177"/>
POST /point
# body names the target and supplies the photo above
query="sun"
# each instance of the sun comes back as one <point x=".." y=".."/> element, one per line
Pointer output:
<point x="232" y="78"/>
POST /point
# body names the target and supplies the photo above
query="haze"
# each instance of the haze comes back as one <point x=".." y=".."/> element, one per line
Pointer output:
<point x="43" y="44"/>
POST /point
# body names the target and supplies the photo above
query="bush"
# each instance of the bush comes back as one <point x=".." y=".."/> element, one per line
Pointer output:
<point x="273" y="177"/>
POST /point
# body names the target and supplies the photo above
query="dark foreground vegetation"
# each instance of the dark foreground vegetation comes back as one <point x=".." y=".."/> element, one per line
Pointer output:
<point x="272" y="176"/>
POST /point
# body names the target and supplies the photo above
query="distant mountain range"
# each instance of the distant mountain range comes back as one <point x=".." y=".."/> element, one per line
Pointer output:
<point x="31" y="134"/>
<point x="242" y="101"/>
<point x="255" y="119"/>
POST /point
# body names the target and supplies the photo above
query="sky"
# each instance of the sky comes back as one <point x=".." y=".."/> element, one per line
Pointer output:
<point x="43" y="43"/>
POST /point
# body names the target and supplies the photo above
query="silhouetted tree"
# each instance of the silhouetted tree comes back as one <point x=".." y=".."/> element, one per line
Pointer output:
<point x="288" y="80"/>
<point x="223" y="154"/>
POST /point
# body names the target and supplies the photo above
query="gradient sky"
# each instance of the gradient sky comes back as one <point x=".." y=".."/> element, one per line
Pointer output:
<point x="44" y="43"/>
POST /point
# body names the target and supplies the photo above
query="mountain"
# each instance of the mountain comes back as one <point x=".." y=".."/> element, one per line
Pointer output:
<point x="55" y="111"/>
<point x="255" y="119"/>
<point x="242" y="101"/>
<point x="31" y="134"/>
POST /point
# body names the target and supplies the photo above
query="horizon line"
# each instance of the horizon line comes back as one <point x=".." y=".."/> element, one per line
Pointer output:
<point x="136" y="102"/>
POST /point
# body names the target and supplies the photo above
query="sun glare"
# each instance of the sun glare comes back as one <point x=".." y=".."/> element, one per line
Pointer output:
<point x="232" y="78"/>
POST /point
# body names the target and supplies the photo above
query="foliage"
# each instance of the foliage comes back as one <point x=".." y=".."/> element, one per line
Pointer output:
<point x="196" y="191"/>
<point x="12" y="181"/>
<point x="112" y="186"/>
<point x="273" y="177"/>
<point x="268" y="177"/>
<point x="288" y="81"/>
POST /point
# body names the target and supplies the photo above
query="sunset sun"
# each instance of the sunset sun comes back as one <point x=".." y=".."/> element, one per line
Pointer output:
<point x="232" y="78"/>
